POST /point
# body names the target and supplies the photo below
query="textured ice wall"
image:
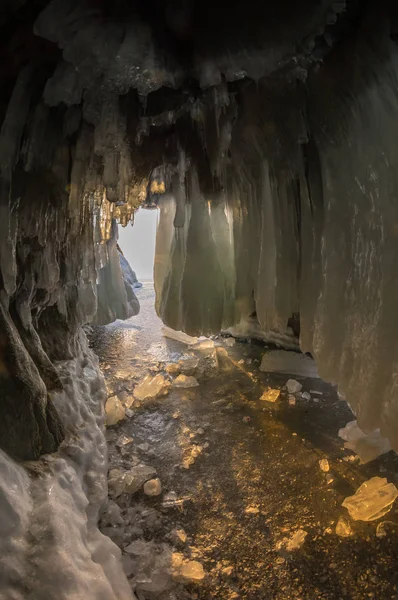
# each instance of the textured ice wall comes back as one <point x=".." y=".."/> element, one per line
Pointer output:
<point x="352" y="330"/>
<point x="309" y="225"/>
<point x="50" y="545"/>
<point x="194" y="275"/>
<point x="87" y="138"/>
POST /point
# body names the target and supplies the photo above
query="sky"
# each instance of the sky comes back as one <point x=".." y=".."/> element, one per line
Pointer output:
<point x="138" y="243"/>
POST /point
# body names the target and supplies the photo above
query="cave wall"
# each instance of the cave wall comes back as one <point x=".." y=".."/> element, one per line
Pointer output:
<point x="270" y="150"/>
<point x="305" y="222"/>
<point x="50" y="545"/>
<point x="59" y="261"/>
<point x="265" y="187"/>
<point x="359" y="241"/>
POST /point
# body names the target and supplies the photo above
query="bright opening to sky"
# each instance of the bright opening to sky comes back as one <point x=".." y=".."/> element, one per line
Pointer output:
<point x="138" y="243"/>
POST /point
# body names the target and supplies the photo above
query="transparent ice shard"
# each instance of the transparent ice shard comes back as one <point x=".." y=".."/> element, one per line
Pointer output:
<point x="372" y="500"/>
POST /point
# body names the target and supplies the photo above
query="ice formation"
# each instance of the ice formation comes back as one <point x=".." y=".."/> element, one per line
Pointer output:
<point x="303" y="222"/>
<point x="49" y="508"/>
<point x="270" y="151"/>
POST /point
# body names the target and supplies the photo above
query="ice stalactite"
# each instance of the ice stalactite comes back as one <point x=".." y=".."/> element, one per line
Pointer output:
<point x="276" y="190"/>
<point x="195" y="282"/>
<point x="310" y="191"/>
<point x="241" y="251"/>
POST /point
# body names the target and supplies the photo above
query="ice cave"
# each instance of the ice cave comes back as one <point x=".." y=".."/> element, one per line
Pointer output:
<point x="227" y="429"/>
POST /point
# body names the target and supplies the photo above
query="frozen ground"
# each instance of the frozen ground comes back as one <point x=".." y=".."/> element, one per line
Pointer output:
<point x="242" y="491"/>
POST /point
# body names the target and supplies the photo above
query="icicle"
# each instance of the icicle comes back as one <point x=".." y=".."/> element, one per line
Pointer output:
<point x="179" y="189"/>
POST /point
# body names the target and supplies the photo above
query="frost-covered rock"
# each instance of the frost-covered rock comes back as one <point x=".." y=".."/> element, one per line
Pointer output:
<point x="115" y="293"/>
<point x="129" y="275"/>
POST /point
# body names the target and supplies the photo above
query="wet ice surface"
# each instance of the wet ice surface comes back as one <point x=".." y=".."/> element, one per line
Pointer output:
<point x="243" y="494"/>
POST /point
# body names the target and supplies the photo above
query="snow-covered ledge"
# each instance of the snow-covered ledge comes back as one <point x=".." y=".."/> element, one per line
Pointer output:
<point x="50" y="545"/>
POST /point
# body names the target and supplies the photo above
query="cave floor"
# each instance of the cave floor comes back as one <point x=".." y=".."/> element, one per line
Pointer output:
<point x="253" y="480"/>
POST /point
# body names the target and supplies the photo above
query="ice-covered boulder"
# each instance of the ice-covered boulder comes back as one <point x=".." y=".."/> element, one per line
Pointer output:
<point x="115" y="287"/>
<point x="129" y="275"/>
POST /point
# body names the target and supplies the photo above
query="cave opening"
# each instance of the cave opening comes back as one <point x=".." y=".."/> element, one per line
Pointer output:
<point x="137" y="243"/>
<point x="229" y="431"/>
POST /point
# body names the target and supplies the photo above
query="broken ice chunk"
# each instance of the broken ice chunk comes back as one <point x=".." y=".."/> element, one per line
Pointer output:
<point x="188" y="570"/>
<point x="324" y="465"/>
<point x="139" y="547"/>
<point x="151" y="388"/>
<point x="372" y="500"/>
<point x="124" y="440"/>
<point x="185" y="381"/>
<point x="178" y="536"/>
<point x="204" y="346"/>
<point x="188" y="364"/>
<point x="129" y="482"/>
<point x="381" y="530"/>
<point x="270" y="395"/>
<point x="292" y="363"/>
<point x="296" y="541"/>
<point x="171" y="500"/>
<point x="173" y="369"/>
<point x="293" y="386"/>
<point x="179" y="336"/>
<point x="224" y="362"/>
<point x="343" y="528"/>
<point x="368" y="446"/>
<point x="192" y="570"/>
<point x="112" y="515"/>
<point x="114" y="411"/>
